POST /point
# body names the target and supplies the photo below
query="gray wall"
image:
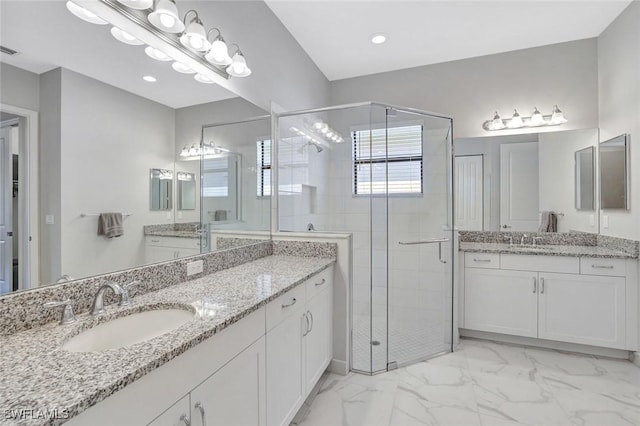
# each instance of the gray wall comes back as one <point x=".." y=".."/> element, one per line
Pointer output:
<point x="619" y="107"/>
<point x="470" y="90"/>
<point x="19" y="87"/>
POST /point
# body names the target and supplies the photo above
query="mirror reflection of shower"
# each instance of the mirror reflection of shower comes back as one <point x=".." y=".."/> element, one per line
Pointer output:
<point x="316" y="145"/>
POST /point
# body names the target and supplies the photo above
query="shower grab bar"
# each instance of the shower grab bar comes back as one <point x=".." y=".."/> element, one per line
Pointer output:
<point x="438" y="241"/>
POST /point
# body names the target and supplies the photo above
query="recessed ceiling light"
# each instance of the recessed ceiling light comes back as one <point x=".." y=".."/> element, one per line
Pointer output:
<point x="378" y="38"/>
<point x="150" y="78"/>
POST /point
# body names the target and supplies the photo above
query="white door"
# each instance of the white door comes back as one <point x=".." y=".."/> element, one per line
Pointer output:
<point x="583" y="309"/>
<point x="6" y="226"/>
<point x="318" y="345"/>
<point x="501" y="301"/>
<point x="519" y="186"/>
<point x="469" y="195"/>
<point x="235" y="394"/>
<point x="285" y="357"/>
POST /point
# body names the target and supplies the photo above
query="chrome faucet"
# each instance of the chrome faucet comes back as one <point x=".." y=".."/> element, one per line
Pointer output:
<point x="98" y="302"/>
<point x="310" y="227"/>
<point x="522" y="239"/>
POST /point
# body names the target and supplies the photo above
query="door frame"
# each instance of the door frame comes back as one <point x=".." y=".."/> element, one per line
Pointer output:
<point x="28" y="225"/>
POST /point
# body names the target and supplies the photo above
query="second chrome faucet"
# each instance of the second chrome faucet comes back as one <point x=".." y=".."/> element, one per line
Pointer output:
<point x="97" y="308"/>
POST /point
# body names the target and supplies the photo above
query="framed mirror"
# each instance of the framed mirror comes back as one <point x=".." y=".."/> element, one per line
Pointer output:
<point x="614" y="174"/>
<point x="585" y="181"/>
<point x="186" y="190"/>
<point x="161" y="189"/>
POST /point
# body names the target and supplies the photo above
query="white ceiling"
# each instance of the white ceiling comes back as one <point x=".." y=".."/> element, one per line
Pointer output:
<point x="48" y="36"/>
<point x="336" y="34"/>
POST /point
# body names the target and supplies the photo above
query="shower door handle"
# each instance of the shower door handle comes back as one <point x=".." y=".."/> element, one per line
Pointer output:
<point x="438" y="241"/>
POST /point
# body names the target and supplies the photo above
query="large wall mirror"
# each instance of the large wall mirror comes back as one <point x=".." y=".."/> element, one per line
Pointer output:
<point x="614" y="173"/>
<point x="102" y="128"/>
<point x="509" y="183"/>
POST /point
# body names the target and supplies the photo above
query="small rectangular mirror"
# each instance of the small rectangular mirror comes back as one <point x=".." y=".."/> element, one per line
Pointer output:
<point x="614" y="173"/>
<point x="161" y="189"/>
<point x="186" y="191"/>
<point x="585" y="179"/>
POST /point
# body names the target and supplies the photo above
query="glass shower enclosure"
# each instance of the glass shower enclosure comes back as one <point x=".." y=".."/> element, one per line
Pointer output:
<point x="383" y="174"/>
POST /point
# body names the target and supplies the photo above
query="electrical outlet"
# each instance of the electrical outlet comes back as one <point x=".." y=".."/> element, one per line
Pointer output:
<point x="605" y="221"/>
<point x="592" y="220"/>
<point x="179" y="215"/>
<point x="49" y="219"/>
<point x="194" y="267"/>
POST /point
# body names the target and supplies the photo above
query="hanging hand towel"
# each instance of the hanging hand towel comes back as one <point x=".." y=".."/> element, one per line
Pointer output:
<point x="548" y="222"/>
<point x="110" y="225"/>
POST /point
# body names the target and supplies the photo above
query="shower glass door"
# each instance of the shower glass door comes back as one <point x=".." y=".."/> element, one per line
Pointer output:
<point x="420" y="236"/>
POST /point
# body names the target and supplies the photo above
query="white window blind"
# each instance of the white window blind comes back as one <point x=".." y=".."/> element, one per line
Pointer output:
<point x="215" y="177"/>
<point x="387" y="161"/>
<point x="264" y="168"/>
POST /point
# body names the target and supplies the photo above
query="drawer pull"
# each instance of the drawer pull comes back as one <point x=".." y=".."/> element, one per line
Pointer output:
<point x="286" y="305"/>
<point x="155" y="241"/>
<point x="535" y="284"/>
<point x="321" y="282"/>
<point x="482" y="260"/>
<point x="602" y="266"/>
<point x="541" y="285"/>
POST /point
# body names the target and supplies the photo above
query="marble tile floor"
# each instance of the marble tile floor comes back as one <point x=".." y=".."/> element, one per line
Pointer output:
<point x="486" y="384"/>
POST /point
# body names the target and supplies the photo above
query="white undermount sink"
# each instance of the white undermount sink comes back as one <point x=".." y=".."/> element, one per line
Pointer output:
<point x="125" y="331"/>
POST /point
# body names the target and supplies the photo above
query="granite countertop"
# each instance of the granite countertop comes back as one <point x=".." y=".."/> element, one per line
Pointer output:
<point x="171" y="233"/>
<point x="546" y="250"/>
<point x="35" y="372"/>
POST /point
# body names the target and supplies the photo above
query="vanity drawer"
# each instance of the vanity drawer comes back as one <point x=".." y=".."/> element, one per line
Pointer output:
<point x="289" y="303"/>
<point x="482" y="260"/>
<point x="560" y="264"/>
<point x="319" y="282"/>
<point x="599" y="266"/>
<point x="175" y="242"/>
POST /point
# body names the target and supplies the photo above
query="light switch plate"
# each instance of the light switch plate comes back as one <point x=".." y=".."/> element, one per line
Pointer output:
<point x="194" y="268"/>
<point x="49" y="219"/>
<point x="605" y="221"/>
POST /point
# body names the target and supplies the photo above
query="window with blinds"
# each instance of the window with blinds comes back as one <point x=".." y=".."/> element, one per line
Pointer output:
<point x="215" y="177"/>
<point x="264" y="168"/>
<point x="387" y="161"/>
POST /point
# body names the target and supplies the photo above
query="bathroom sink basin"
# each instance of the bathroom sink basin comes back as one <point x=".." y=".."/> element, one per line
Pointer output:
<point x="125" y="331"/>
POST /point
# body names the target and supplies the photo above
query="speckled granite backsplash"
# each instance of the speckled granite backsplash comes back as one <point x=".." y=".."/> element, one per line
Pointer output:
<point x="555" y="238"/>
<point x="186" y="226"/>
<point x="305" y="249"/>
<point x="23" y="310"/>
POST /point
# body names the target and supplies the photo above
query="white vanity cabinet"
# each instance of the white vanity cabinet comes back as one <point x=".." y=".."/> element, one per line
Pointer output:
<point x="299" y="345"/>
<point x="160" y="249"/>
<point x="589" y="301"/>
<point x="256" y="372"/>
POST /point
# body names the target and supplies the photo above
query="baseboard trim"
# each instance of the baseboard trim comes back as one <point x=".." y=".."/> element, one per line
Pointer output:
<point x="549" y="344"/>
<point x="340" y="367"/>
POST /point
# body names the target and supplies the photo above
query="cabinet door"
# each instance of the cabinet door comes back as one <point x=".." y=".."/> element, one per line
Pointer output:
<point x="235" y="394"/>
<point x="177" y="415"/>
<point x="501" y="301"/>
<point x="583" y="309"/>
<point x="318" y="341"/>
<point x="285" y="385"/>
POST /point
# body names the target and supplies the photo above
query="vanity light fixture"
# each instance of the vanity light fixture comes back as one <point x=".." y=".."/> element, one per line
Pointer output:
<point x="238" y="67"/>
<point x="137" y="4"/>
<point x="557" y="117"/>
<point x="537" y="119"/>
<point x="165" y="17"/>
<point x="156" y="54"/>
<point x="218" y="54"/>
<point x="84" y="14"/>
<point x="186" y="41"/>
<point x="194" y="37"/>
<point x="125" y="37"/>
